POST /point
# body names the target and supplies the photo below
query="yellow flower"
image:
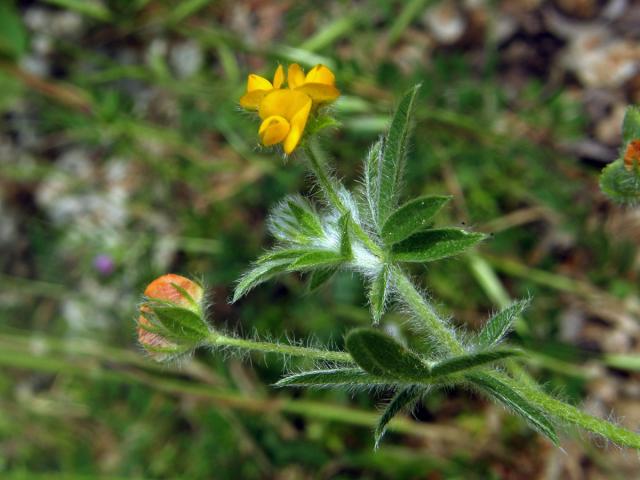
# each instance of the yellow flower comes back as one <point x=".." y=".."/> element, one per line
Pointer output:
<point x="319" y="83"/>
<point x="284" y="115"/>
<point x="258" y="87"/>
<point x="284" y="112"/>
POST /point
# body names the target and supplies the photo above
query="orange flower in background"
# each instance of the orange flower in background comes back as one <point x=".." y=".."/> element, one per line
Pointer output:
<point x="285" y="112"/>
<point x="632" y="154"/>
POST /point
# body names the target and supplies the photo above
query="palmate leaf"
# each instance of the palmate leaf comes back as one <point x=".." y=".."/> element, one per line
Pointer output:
<point x="515" y="402"/>
<point x="382" y="356"/>
<point x="500" y="324"/>
<point x="391" y="168"/>
<point x="378" y="292"/>
<point x="434" y="245"/>
<point x="333" y="377"/>
<point x="412" y="217"/>
<point x="404" y="398"/>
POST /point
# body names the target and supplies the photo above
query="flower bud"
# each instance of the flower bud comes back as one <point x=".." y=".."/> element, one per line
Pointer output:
<point x="171" y="320"/>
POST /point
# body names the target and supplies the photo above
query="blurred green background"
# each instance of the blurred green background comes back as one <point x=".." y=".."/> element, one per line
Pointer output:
<point x="124" y="155"/>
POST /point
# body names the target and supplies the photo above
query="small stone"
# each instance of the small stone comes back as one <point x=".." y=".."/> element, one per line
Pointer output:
<point x="186" y="58"/>
<point x="446" y="22"/>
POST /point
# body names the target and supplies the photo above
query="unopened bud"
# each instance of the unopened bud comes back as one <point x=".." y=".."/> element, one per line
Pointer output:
<point x="632" y="155"/>
<point x="172" y="320"/>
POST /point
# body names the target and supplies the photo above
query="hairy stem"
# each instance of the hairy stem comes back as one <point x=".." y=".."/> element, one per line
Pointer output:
<point x="573" y="415"/>
<point x="216" y="339"/>
<point x="423" y="309"/>
<point x="441" y="332"/>
<point x="330" y="188"/>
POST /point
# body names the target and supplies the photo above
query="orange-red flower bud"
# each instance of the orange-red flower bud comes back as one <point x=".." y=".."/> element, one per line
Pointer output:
<point x="171" y="318"/>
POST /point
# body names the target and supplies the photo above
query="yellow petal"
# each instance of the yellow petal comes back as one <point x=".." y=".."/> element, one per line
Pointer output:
<point x="320" y="74"/>
<point x="251" y="100"/>
<point x="298" y="123"/>
<point x="295" y="76"/>
<point x="256" y="82"/>
<point x="273" y="130"/>
<point x="319" y="92"/>
<point x="284" y="102"/>
<point x="278" y="78"/>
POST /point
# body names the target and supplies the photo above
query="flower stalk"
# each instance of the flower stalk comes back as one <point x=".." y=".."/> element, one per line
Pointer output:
<point x="219" y="340"/>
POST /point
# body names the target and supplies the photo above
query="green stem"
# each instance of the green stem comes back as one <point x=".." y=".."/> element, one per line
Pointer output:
<point x="330" y="188"/>
<point x="216" y="339"/>
<point x="328" y="184"/>
<point x="419" y="305"/>
<point x="571" y="414"/>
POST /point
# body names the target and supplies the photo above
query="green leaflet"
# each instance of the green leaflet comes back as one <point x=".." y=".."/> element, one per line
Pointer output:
<point x="465" y="362"/>
<point x="334" y="376"/>
<point x="378" y="291"/>
<point x="500" y="324"/>
<point x="320" y="277"/>
<point x="295" y="221"/>
<point x="260" y="273"/>
<point x="371" y="177"/>
<point x="619" y="184"/>
<point x="403" y="398"/>
<point x="382" y="356"/>
<point x="345" y="236"/>
<point x="319" y="123"/>
<point x="412" y="217"/>
<point x="318" y="258"/>
<point x="290" y="254"/>
<point x="390" y="169"/>
<point x="434" y="244"/>
<point x="307" y="219"/>
<point x="514" y="401"/>
<point x="631" y="124"/>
